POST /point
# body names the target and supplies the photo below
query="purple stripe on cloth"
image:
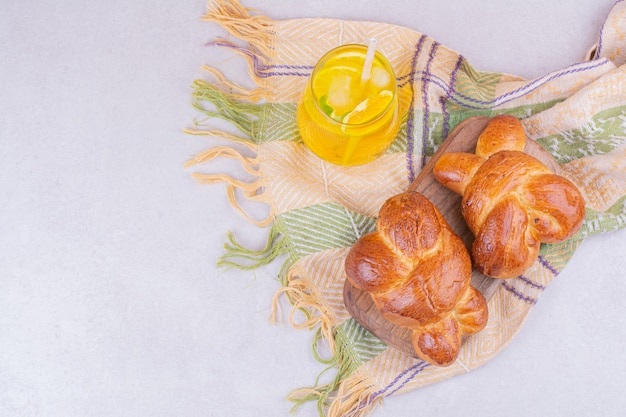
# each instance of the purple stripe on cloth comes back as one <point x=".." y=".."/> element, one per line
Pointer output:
<point x="600" y="37"/>
<point x="393" y="386"/>
<point x="446" y="116"/>
<point x="449" y="93"/>
<point x="283" y="73"/>
<point x="416" y="369"/>
<point x="410" y="127"/>
<point x="403" y="80"/>
<point x="413" y="370"/>
<point x="533" y="85"/>
<point x="425" y="127"/>
<point x="518" y="294"/>
<point x="598" y="50"/>
<point x="302" y="67"/>
<point x="531" y="283"/>
<point x="246" y="51"/>
<point x="544" y="262"/>
<point x="456" y="69"/>
<point x="260" y="69"/>
<point x="466" y="101"/>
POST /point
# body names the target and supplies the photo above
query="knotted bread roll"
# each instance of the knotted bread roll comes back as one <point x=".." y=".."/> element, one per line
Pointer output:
<point x="418" y="271"/>
<point x="511" y="201"/>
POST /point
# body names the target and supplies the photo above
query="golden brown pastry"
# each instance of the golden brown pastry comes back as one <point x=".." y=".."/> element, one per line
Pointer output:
<point x="511" y="201"/>
<point x="418" y="272"/>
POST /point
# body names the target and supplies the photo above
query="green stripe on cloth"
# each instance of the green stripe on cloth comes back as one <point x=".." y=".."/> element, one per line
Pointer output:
<point x="521" y="112"/>
<point x="604" y="132"/>
<point x="558" y="255"/>
<point x="250" y="118"/>
<point x="355" y="347"/>
<point x="283" y="124"/>
<point x="243" y="115"/>
<point x="603" y="221"/>
<point x="363" y="345"/>
<point x="479" y="85"/>
<point x="439" y="123"/>
<point x="321" y="227"/>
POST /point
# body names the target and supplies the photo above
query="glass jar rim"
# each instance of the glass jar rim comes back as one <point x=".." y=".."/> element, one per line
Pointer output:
<point x="377" y="56"/>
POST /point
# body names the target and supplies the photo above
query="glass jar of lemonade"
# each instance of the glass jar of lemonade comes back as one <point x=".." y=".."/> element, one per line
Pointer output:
<point x="343" y="117"/>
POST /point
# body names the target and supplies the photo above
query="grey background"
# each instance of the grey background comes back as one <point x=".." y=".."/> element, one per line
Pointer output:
<point x="110" y="301"/>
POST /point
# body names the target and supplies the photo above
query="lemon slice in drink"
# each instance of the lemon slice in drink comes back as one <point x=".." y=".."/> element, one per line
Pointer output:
<point x="340" y="86"/>
<point x="323" y="79"/>
<point x="369" y="108"/>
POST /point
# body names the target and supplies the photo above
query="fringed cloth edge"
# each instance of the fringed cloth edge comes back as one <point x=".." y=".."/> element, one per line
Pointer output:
<point x="240" y="107"/>
<point x="352" y="391"/>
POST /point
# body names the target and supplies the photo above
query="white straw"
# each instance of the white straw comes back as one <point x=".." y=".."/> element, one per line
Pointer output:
<point x="369" y="60"/>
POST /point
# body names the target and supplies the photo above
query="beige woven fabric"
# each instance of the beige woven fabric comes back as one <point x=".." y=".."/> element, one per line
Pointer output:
<point x="318" y="210"/>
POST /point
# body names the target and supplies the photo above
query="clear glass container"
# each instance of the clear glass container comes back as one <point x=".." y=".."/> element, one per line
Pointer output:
<point x="346" y="120"/>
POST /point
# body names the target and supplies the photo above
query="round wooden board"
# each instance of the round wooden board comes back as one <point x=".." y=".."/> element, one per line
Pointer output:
<point x="462" y="139"/>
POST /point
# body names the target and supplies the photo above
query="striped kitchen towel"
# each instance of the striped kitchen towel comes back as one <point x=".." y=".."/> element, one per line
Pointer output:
<point x="318" y="210"/>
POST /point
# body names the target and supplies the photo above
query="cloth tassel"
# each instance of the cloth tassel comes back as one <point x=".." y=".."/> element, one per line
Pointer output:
<point x="257" y="70"/>
<point x="307" y="303"/>
<point x="235" y="104"/>
<point x="251" y="191"/>
<point x="323" y="394"/>
<point x="349" y="393"/>
<point x="354" y="398"/>
<point x="235" y="90"/>
<point x="305" y="299"/>
<point x="240" y="114"/>
<point x="342" y="393"/>
<point x="231" y="15"/>
<point x="244" y="116"/>
<point x="249" y="164"/>
<point x="196" y="131"/>
<point x="240" y="257"/>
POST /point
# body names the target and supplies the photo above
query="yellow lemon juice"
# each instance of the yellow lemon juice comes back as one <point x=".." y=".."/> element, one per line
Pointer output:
<point x="343" y="118"/>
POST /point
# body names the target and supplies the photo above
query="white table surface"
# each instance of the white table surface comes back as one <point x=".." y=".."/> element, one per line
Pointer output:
<point x="110" y="300"/>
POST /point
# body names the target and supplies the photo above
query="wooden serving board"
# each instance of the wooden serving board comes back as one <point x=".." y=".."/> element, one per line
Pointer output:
<point x="462" y="139"/>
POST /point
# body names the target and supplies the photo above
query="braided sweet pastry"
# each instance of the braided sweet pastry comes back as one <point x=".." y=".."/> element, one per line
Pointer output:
<point x="418" y="271"/>
<point x="511" y="201"/>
